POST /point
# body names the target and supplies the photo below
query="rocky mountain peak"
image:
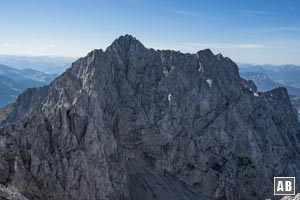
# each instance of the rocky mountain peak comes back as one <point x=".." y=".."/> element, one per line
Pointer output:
<point x="126" y="43"/>
<point x="207" y="52"/>
<point x="126" y="40"/>
<point x="135" y="123"/>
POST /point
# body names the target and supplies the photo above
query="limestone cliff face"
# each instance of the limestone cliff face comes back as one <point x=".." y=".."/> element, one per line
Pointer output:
<point x="295" y="100"/>
<point x="135" y="123"/>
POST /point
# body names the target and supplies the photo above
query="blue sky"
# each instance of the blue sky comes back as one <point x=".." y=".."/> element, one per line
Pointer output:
<point x="251" y="31"/>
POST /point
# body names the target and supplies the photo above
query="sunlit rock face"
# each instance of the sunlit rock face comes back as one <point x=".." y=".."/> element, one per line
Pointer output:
<point x="137" y="123"/>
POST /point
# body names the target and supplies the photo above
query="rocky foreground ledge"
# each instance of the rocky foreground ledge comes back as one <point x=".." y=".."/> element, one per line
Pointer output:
<point x="297" y="197"/>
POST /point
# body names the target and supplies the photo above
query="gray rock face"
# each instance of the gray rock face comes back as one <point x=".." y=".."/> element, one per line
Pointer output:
<point x="249" y="84"/>
<point x="295" y="100"/>
<point x="10" y="194"/>
<point x="132" y="122"/>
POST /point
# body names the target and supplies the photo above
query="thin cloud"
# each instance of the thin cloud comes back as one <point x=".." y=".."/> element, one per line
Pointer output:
<point x="50" y="45"/>
<point x="277" y="29"/>
<point x="192" y="14"/>
<point x="226" y="45"/>
<point x="8" y="45"/>
<point x="258" y="13"/>
<point x="190" y="47"/>
<point x="187" y="13"/>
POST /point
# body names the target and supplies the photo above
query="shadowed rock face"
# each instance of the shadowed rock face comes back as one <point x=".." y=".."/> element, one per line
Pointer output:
<point x="131" y="122"/>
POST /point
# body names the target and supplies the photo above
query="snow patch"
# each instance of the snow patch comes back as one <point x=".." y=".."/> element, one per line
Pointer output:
<point x="166" y="72"/>
<point x="200" y="69"/>
<point x="209" y="82"/>
<point x="162" y="59"/>
<point x="16" y="165"/>
<point x="169" y="97"/>
<point x="256" y="94"/>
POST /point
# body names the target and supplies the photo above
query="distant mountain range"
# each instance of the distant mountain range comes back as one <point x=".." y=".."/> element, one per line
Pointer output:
<point x="288" y="75"/>
<point x="267" y="77"/>
<point x="264" y="83"/>
<point x="46" y="64"/>
<point x="14" y="81"/>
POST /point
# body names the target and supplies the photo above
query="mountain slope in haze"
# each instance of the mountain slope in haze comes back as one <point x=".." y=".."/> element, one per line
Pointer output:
<point x="284" y="74"/>
<point x="26" y="74"/>
<point x="13" y="82"/>
<point x="46" y="64"/>
<point x="135" y="123"/>
<point x="264" y="83"/>
<point x="9" y="90"/>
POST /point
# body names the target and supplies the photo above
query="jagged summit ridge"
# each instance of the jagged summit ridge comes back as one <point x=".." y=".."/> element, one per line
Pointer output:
<point x="126" y="41"/>
<point x="135" y="123"/>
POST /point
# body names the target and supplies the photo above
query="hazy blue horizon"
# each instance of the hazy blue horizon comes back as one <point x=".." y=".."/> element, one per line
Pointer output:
<point x="255" y="32"/>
